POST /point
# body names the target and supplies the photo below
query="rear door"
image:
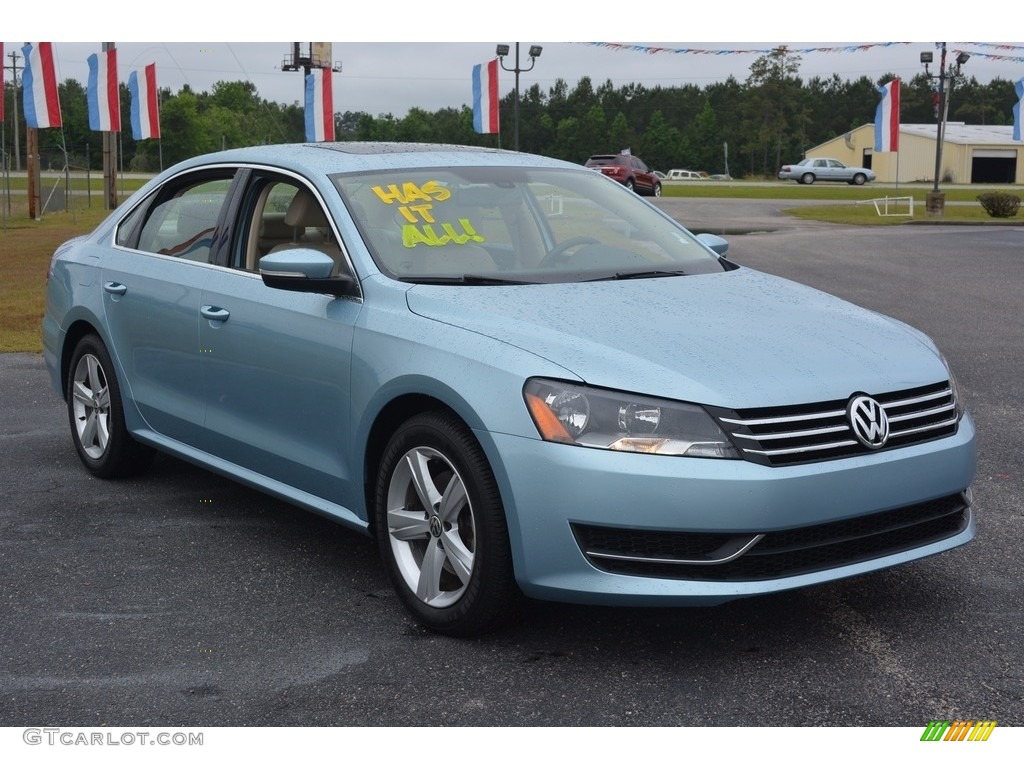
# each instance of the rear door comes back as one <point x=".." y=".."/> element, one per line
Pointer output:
<point x="825" y="170"/>
<point x="152" y="281"/>
<point x="645" y="178"/>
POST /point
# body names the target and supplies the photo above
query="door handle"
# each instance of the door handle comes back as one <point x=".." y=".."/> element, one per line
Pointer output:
<point x="214" y="313"/>
<point x="117" y="289"/>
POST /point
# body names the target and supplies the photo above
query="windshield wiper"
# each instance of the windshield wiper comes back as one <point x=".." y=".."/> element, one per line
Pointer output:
<point x="638" y="275"/>
<point x="465" y="280"/>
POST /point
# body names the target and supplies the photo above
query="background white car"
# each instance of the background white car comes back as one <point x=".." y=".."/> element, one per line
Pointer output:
<point x="681" y="175"/>
<point x="812" y="169"/>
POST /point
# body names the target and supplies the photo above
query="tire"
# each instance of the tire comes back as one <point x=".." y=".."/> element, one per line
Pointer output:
<point x="630" y="185"/>
<point x="441" y="528"/>
<point x="807" y="178"/>
<point x="96" y="415"/>
<point x="859" y="179"/>
<point x="657" y="190"/>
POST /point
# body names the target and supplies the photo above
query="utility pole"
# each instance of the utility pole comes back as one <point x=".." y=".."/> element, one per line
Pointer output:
<point x="110" y="154"/>
<point x="35" y="210"/>
<point x="935" y="201"/>
<point x="14" y="68"/>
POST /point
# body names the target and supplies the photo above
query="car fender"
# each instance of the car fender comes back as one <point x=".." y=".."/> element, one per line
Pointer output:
<point x="404" y="363"/>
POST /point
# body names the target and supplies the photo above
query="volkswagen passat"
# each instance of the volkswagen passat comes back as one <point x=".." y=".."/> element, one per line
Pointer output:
<point x="516" y="375"/>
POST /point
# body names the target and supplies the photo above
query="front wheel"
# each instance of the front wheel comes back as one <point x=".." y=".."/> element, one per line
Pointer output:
<point x="96" y="415"/>
<point x="441" y="528"/>
<point x="859" y="179"/>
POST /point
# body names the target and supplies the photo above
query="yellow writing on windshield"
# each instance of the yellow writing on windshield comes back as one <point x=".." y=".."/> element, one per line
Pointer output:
<point x="414" y="213"/>
<point x="410" y="191"/>
<point x="413" y="235"/>
<point x="424" y="224"/>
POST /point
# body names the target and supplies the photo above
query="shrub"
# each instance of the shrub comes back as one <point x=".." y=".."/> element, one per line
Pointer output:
<point x="1000" y="205"/>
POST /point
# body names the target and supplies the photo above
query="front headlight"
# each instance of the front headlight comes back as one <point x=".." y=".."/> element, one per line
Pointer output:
<point x="619" y="421"/>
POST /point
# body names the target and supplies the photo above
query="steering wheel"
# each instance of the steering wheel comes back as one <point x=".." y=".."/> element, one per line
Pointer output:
<point x="558" y="254"/>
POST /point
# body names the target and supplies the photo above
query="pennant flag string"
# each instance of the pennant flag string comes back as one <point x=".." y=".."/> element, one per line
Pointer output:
<point x="848" y="48"/>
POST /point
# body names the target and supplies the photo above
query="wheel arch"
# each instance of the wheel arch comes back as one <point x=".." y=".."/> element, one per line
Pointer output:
<point x="77" y="331"/>
<point x="386" y="422"/>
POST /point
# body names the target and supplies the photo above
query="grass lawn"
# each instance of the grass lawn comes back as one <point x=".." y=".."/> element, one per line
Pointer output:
<point x="962" y="206"/>
<point x="25" y="250"/>
<point x="80" y="184"/>
<point x="793" y="191"/>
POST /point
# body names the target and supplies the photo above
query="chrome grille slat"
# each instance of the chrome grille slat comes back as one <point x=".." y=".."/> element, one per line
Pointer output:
<point x="821" y="431"/>
<point x="904" y="432"/>
<point x="804" y="449"/>
<point x="922" y="414"/>
<point x="800" y="433"/>
<point x="947" y="392"/>
<point x="786" y="419"/>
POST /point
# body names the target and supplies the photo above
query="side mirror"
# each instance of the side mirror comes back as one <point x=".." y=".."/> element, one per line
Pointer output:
<point x="305" y="270"/>
<point x="717" y="244"/>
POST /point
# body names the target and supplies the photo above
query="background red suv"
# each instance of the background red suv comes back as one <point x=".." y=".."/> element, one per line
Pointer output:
<point x="629" y="170"/>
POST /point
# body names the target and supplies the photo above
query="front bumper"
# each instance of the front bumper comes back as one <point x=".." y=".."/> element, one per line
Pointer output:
<point x="552" y="492"/>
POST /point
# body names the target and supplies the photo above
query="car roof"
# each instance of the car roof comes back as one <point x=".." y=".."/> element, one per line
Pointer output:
<point x="355" y="156"/>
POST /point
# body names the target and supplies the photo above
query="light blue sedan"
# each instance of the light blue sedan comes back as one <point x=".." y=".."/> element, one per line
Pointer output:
<point x="812" y="169"/>
<point x="516" y="375"/>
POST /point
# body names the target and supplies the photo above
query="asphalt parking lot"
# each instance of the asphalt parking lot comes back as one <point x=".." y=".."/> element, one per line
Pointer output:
<point x="183" y="599"/>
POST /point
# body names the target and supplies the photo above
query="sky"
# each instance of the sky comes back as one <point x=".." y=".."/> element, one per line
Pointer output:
<point x="392" y="61"/>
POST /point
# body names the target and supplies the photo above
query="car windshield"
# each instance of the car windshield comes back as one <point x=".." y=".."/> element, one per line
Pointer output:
<point x="483" y="225"/>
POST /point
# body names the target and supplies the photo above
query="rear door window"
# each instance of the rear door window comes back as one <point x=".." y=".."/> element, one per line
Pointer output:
<point x="184" y="219"/>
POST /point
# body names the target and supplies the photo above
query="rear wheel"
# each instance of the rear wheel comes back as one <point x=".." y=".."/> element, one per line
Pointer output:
<point x="97" y="417"/>
<point x="807" y="178"/>
<point x="441" y="528"/>
<point x="657" y="190"/>
<point x="630" y="185"/>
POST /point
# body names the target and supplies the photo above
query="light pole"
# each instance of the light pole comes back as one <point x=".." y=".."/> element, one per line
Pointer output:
<point x="935" y="201"/>
<point x="502" y="52"/>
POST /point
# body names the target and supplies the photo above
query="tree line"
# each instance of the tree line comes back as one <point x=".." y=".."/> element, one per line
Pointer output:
<point x="746" y="128"/>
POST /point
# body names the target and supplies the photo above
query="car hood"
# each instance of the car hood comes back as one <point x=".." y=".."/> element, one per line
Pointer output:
<point x="738" y="339"/>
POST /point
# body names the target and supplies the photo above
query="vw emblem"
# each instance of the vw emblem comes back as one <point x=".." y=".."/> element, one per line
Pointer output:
<point x="436" y="529"/>
<point x="868" y="421"/>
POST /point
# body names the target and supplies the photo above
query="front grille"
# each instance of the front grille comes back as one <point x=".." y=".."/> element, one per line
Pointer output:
<point x="820" y="431"/>
<point x="755" y="556"/>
